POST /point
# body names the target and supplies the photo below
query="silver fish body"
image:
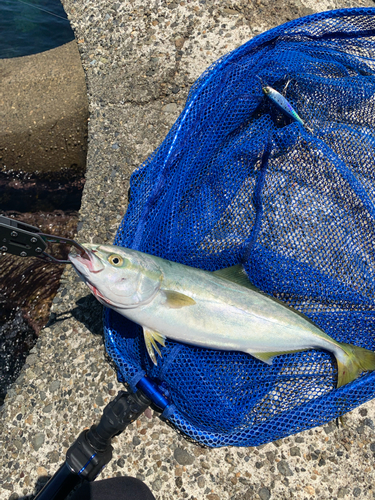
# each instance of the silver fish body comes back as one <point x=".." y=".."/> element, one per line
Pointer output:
<point x="215" y="310"/>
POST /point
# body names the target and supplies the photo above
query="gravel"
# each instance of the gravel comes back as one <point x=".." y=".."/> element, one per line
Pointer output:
<point x="140" y="60"/>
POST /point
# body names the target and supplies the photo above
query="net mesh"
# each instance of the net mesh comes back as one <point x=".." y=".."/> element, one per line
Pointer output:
<point x="236" y="181"/>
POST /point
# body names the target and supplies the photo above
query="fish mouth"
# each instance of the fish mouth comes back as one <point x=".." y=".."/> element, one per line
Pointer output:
<point x="97" y="294"/>
<point x="87" y="262"/>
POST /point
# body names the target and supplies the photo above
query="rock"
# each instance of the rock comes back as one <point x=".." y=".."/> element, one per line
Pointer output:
<point x="310" y="490"/>
<point x="183" y="457"/>
<point x="31" y="359"/>
<point x="37" y="440"/>
<point x="53" y="457"/>
<point x="230" y="12"/>
<point x="136" y="441"/>
<point x="54" y="386"/>
<point x="284" y="468"/>
<point x="170" y="108"/>
<point x="329" y="428"/>
<point x="99" y="400"/>
<point x="369" y="423"/>
<point x="342" y="492"/>
<point x="179" y="42"/>
<point x="264" y="493"/>
<point x="47" y="409"/>
<point x="157" y="485"/>
<point x="356" y="492"/>
<point x="201" y="482"/>
<point x="18" y="444"/>
<point x="295" y="451"/>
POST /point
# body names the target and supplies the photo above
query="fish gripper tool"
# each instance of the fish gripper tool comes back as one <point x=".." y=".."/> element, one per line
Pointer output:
<point x="24" y="240"/>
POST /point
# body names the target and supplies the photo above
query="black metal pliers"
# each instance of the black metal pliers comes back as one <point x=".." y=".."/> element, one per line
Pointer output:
<point x="19" y="238"/>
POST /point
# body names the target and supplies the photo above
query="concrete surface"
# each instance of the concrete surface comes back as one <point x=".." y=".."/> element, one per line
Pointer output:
<point x="140" y="60"/>
<point x="43" y="112"/>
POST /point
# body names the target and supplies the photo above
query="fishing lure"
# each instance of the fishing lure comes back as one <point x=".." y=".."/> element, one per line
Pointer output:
<point x="281" y="103"/>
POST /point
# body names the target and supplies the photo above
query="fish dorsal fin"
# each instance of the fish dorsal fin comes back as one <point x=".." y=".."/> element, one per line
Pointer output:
<point x="236" y="274"/>
<point x="151" y="337"/>
<point x="176" y="300"/>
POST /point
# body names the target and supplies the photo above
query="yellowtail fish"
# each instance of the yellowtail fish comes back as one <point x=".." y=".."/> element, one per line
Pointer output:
<point x="281" y="103"/>
<point x="214" y="310"/>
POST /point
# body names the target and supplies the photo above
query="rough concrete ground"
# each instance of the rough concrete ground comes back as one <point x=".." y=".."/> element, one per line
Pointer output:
<point x="140" y="60"/>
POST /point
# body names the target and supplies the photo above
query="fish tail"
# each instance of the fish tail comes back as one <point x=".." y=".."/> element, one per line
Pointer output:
<point x="352" y="361"/>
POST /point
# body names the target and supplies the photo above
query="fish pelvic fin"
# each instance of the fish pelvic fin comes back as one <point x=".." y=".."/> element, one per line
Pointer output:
<point x="151" y="337"/>
<point x="353" y="361"/>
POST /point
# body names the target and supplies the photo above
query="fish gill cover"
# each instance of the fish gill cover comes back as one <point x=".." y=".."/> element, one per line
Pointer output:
<point x="237" y="180"/>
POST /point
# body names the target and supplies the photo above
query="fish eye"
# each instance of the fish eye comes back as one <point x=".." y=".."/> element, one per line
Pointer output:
<point x="115" y="260"/>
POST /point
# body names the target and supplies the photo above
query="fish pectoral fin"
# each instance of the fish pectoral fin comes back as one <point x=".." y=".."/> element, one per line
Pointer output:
<point x="151" y="337"/>
<point x="176" y="300"/>
<point x="267" y="357"/>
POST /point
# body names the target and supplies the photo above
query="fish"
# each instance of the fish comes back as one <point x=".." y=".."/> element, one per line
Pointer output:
<point x="214" y="310"/>
<point x="282" y="103"/>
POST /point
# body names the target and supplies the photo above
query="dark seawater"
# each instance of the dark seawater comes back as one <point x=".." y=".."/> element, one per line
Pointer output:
<point x="26" y="29"/>
<point x="27" y="288"/>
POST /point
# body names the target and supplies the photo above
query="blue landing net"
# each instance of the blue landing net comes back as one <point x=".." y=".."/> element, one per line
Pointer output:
<point x="237" y="180"/>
